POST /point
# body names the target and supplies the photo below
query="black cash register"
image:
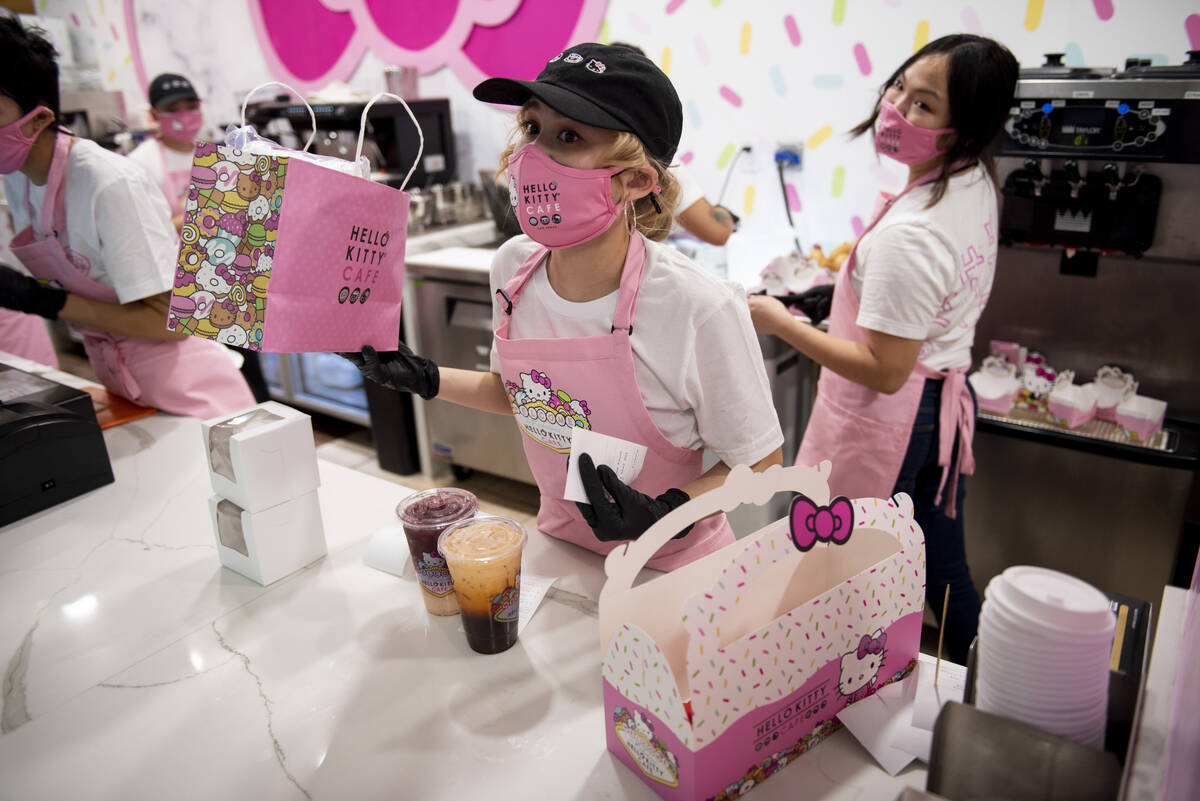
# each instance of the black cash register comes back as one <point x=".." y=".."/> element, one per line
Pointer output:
<point x="51" y="447"/>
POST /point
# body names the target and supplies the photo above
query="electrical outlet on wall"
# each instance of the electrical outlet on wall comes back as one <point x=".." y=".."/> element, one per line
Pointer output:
<point x="790" y="154"/>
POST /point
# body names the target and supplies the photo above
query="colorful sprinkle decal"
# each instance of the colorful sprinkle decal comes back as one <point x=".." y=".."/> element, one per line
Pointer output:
<point x="856" y="224"/>
<point x="701" y="50"/>
<point x="116" y="36"/>
<point x="839" y="12"/>
<point x="1192" y="26"/>
<point x="716" y="3"/>
<point x="602" y="37"/>
<point x="640" y="24"/>
<point x="1073" y="55"/>
<point x="732" y="97"/>
<point x="839" y="180"/>
<point x="970" y="21"/>
<point x="748" y="201"/>
<point x="1033" y="14"/>
<point x="793" y="32"/>
<point x="793" y="197"/>
<point x="687" y="157"/>
<point x="693" y="112"/>
<point x="921" y="37"/>
<point x="74" y="19"/>
<point x="744" y="42"/>
<point x="726" y="154"/>
<point x="828" y="81"/>
<point x="864" y="61"/>
<point x="674" y="5"/>
<point x="820" y="136"/>
<point x="665" y="63"/>
<point x="1104" y="9"/>
<point x="777" y="80"/>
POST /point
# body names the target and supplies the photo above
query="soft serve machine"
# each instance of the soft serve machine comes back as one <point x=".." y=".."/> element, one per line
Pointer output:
<point x="1099" y="264"/>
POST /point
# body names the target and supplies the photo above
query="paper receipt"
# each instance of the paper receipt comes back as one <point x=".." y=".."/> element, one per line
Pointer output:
<point x="625" y="459"/>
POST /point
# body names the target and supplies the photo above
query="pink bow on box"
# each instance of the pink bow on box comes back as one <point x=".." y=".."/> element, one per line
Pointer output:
<point x="809" y="522"/>
<point x="871" y="645"/>
<point x="540" y="378"/>
<point x="1042" y="372"/>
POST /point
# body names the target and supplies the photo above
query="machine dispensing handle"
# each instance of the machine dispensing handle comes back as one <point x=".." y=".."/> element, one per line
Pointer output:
<point x="1034" y="168"/>
<point x="1112" y="175"/>
<point x="1054" y="59"/>
<point x="1074" y="179"/>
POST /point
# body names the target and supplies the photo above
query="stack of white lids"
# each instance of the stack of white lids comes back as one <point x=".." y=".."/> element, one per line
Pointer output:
<point x="1045" y="643"/>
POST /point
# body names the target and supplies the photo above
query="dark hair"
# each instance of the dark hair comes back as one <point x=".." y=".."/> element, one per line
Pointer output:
<point x="28" y="70"/>
<point x="981" y="78"/>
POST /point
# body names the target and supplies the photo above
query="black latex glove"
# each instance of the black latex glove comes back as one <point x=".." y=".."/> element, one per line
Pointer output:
<point x="24" y="294"/>
<point x="815" y="303"/>
<point x="629" y="513"/>
<point x="398" y="369"/>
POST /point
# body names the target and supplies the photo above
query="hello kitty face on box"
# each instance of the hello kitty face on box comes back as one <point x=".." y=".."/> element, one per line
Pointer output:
<point x="860" y="667"/>
<point x="536" y="387"/>
<point x="1038" y="379"/>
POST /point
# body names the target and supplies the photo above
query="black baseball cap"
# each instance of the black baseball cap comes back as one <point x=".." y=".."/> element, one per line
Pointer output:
<point x="607" y="86"/>
<point x="169" y="87"/>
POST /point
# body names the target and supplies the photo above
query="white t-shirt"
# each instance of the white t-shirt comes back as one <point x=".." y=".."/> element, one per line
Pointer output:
<point x="696" y="356"/>
<point x="926" y="273"/>
<point x="149" y="156"/>
<point x="116" y="218"/>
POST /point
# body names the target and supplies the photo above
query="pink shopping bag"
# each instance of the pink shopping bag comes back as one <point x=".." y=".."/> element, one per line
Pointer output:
<point x="281" y="254"/>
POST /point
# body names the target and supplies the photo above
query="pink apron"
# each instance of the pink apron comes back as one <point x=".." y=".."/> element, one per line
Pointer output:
<point x="174" y="184"/>
<point x="556" y="385"/>
<point x="26" y="336"/>
<point x="866" y="433"/>
<point x="191" y="377"/>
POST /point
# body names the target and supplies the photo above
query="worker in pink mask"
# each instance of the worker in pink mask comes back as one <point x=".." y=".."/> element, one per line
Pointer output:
<point x="96" y="236"/>
<point x="167" y="158"/>
<point x="598" y="325"/>
<point x="894" y="412"/>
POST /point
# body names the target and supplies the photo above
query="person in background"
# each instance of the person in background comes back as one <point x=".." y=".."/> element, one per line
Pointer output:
<point x="97" y="236"/>
<point x="167" y="159"/>
<point x="894" y="412"/>
<point x="599" y="326"/>
<point x="695" y="214"/>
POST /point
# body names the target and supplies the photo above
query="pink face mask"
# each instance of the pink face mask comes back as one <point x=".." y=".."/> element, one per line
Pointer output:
<point x="899" y="139"/>
<point x="182" y="125"/>
<point x="559" y="206"/>
<point x="14" y="145"/>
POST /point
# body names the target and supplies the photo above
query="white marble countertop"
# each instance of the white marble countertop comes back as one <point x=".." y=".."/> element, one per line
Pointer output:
<point x="137" y="667"/>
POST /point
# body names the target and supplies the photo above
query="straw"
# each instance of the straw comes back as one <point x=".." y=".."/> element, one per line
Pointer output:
<point x="941" y="630"/>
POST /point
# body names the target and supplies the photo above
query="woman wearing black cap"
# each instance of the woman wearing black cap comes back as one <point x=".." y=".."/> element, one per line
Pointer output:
<point x="598" y="326"/>
<point x="167" y="158"/>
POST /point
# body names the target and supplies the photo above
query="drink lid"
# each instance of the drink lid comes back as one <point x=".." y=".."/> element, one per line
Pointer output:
<point x="436" y="508"/>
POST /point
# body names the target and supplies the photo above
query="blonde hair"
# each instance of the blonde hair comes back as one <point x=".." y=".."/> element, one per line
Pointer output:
<point x="626" y="151"/>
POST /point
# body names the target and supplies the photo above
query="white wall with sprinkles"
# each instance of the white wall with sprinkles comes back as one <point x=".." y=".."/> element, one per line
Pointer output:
<point x="754" y="72"/>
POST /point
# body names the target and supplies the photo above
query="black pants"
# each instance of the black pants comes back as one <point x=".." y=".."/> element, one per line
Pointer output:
<point x="945" y="549"/>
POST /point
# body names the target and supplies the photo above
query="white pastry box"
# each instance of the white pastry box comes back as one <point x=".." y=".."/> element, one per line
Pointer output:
<point x="1140" y="418"/>
<point x="261" y="456"/>
<point x="265" y="546"/>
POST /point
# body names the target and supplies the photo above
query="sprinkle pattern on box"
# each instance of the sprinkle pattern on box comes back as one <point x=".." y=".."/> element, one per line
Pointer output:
<point x="770" y="663"/>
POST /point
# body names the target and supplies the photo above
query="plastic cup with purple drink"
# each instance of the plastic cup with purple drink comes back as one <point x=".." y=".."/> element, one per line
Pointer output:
<point x="425" y="515"/>
<point x="484" y="557"/>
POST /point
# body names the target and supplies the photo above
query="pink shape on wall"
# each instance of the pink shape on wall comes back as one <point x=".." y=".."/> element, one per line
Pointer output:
<point x="674" y="5"/>
<point x="864" y="61"/>
<point x="1192" y="26"/>
<point x="1104" y="9"/>
<point x="308" y="43"/>
<point x="793" y="32"/>
<point x="970" y="20"/>
<point x="856" y="225"/>
<point x="687" y="157"/>
<point x="793" y="197"/>
<point x="731" y="96"/>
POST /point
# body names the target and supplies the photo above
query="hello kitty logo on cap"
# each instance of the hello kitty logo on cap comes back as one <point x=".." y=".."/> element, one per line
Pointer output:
<point x="596" y="66"/>
<point x="573" y="58"/>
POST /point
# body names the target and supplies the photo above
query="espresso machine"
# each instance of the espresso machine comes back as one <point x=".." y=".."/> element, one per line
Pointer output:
<point x="1099" y="264"/>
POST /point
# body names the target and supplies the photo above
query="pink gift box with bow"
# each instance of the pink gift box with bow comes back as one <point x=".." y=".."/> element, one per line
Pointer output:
<point x="721" y="673"/>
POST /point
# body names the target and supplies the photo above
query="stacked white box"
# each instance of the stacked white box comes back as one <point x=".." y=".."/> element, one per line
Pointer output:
<point x="263" y="467"/>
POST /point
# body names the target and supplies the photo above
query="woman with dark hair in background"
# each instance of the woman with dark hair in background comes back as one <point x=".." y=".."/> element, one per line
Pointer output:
<point x="96" y="235"/>
<point x="894" y="412"/>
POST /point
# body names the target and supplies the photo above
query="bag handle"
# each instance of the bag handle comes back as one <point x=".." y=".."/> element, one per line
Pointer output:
<point x="312" y="116"/>
<point x="362" y="131"/>
<point x="742" y="485"/>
